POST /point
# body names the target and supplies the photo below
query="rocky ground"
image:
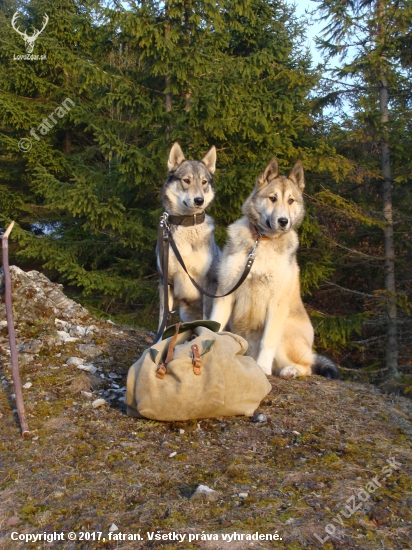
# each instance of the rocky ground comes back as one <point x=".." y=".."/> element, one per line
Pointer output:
<point x="324" y="464"/>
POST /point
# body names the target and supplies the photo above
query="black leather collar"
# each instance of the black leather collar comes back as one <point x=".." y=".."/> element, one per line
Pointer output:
<point x="187" y="221"/>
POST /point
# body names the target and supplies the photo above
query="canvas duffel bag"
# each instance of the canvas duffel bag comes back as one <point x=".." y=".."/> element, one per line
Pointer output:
<point x="195" y="372"/>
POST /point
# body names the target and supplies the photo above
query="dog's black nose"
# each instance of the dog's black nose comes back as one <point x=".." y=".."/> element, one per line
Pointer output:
<point x="283" y="222"/>
<point x="199" y="201"/>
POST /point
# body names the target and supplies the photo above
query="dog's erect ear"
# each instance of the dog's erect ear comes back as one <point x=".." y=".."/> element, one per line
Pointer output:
<point x="297" y="176"/>
<point x="271" y="172"/>
<point x="209" y="160"/>
<point x="176" y="157"/>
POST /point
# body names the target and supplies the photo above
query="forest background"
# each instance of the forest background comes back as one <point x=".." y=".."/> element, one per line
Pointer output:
<point x="85" y="189"/>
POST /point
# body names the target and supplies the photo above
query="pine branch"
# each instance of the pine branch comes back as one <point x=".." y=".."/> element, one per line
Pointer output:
<point x="363" y="294"/>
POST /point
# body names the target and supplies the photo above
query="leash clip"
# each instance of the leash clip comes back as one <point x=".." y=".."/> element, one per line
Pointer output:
<point x="252" y="252"/>
<point x="164" y="224"/>
<point x="164" y="220"/>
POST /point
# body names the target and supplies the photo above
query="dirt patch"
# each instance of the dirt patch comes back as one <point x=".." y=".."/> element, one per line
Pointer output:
<point x="81" y="383"/>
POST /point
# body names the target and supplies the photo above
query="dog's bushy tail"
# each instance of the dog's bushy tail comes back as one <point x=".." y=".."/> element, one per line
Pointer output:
<point x="325" y="367"/>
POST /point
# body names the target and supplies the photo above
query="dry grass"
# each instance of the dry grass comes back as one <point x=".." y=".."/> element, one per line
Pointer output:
<point x="88" y="468"/>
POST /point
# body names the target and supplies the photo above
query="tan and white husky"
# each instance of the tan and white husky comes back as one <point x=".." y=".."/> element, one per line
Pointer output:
<point x="267" y="309"/>
<point x="187" y="192"/>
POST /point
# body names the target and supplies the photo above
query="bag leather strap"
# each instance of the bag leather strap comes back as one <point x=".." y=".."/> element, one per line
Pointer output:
<point x="162" y="368"/>
<point x="196" y="359"/>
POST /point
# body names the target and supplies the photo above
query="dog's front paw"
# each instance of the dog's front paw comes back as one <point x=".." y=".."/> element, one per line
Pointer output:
<point x="266" y="369"/>
<point x="289" y="372"/>
<point x="265" y="363"/>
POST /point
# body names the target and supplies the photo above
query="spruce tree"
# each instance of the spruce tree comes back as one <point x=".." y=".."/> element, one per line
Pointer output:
<point x="68" y="207"/>
<point x="369" y="37"/>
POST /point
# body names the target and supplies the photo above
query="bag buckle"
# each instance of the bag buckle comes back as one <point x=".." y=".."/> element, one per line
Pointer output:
<point x="161" y="371"/>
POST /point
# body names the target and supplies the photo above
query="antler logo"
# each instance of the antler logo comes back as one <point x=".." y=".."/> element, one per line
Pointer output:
<point x="29" y="40"/>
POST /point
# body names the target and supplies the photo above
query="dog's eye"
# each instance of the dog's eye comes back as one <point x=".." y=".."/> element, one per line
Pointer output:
<point x="291" y="201"/>
<point x="273" y="199"/>
<point x="186" y="180"/>
<point x="204" y="182"/>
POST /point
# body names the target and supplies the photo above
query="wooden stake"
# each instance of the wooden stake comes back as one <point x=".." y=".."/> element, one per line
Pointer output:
<point x="12" y="337"/>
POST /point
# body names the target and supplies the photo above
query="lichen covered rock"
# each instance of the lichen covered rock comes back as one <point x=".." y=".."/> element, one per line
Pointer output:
<point x="34" y="297"/>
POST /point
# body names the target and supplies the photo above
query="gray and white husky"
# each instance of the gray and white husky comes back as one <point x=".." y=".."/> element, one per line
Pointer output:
<point x="187" y="192"/>
<point x="267" y="309"/>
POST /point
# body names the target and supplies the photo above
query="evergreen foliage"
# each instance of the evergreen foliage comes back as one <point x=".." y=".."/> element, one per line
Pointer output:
<point x="236" y="77"/>
<point x="373" y="133"/>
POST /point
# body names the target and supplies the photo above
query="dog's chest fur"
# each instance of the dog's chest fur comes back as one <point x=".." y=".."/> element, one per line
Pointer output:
<point x="273" y="276"/>
<point x="272" y="267"/>
<point x="272" y="271"/>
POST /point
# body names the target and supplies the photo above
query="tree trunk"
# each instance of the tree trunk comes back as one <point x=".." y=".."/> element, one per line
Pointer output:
<point x="168" y="96"/>
<point x="168" y="93"/>
<point x="67" y="143"/>
<point x="189" y="40"/>
<point x="391" y="352"/>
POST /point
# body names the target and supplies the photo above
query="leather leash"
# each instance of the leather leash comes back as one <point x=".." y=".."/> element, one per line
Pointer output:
<point x="246" y="271"/>
<point x="164" y="240"/>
